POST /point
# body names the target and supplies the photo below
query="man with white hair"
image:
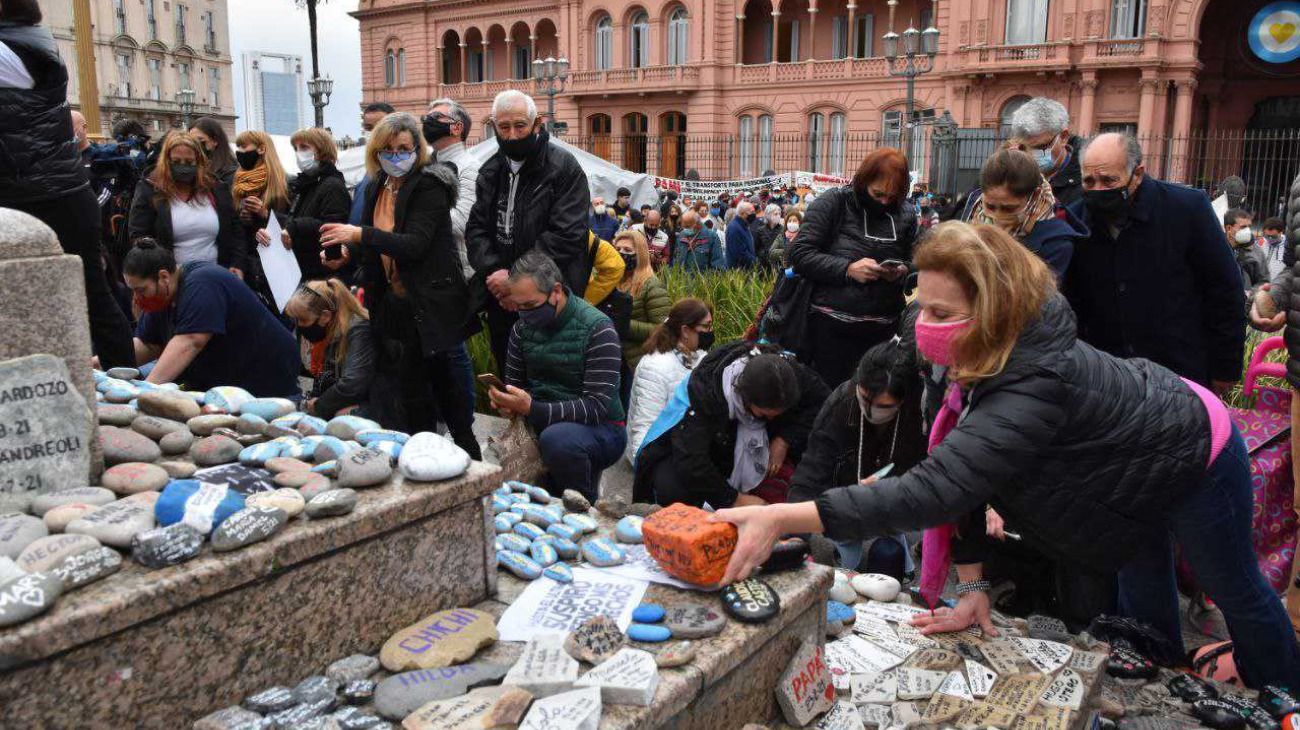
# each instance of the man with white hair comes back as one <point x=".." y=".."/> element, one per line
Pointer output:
<point x="765" y="230"/>
<point x="740" y="241"/>
<point x="529" y="195"/>
<point x="1043" y="125"/>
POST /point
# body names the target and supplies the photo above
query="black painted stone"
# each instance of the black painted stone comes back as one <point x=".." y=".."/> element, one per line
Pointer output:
<point x="750" y="600"/>
<point x="1256" y="715"/>
<point x="352" y="718"/>
<point x="300" y="713"/>
<point x="1190" y="689"/>
<point x="270" y="700"/>
<point x="1048" y="629"/>
<point x="164" y="546"/>
<point x="786" y="554"/>
<point x="1218" y="714"/>
<point x="1128" y="664"/>
<point x="1278" y="701"/>
<point x="316" y="689"/>
<point x="1151" y="722"/>
<point x="971" y="652"/>
<point x="359" y="691"/>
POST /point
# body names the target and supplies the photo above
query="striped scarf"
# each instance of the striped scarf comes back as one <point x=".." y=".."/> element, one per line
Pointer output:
<point x="1040" y="206"/>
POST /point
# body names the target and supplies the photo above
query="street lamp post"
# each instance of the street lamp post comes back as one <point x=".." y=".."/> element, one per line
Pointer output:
<point x="551" y="73"/>
<point x="919" y="50"/>
<point x="185" y="98"/>
<point x="320" y="89"/>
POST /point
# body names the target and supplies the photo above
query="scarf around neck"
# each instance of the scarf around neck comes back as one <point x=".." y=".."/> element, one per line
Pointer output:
<point x="250" y="182"/>
<point x="1040" y="206"/>
<point x="936" y="544"/>
<point x="749" y="460"/>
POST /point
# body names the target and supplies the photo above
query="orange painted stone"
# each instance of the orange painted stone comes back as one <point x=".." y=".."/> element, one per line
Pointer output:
<point x="687" y="546"/>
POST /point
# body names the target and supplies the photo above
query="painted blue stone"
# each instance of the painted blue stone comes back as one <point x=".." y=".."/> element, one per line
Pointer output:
<point x="302" y="451"/>
<point x="257" y="454"/>
<point x="174" y="500"/>
<point x="500" y="525"/>
<point x="842" y="612"/>
<point x="582" y="522"/>
<point x="289" y="420"/>
<point x="567" y="549"/>
<point x="648" y="633"/>
<point x="329" y="468"/>
<point x="529" y="530"/>
<point x="329" y="448"/>
<point x="227" y="397"/>
<point x="543" y="554"/>
<point x="602" y="552"/>
<point x="519" y="498"/>
<point x="252" y="420"/>
<point x="519" y="564"/>
<point x="146" y="368"/>
<point x="543" y="518"/>
<point x="556" y="509"/>
<point x="312" y="425"/>
<point x="515" y="543"/>
<point x="353" y="424"/>
<point x="510" y="517"/>
<point x="499" y="505"/>
<point x="144" y="386"/>
<point x="628" y="529"/>
<point x="518" y="486"/>
<point x="375" y="435"/>
<point x="519" y="508"/>
<point x="568" y="532"/>
<point x="99" y="376"/>
<point x="120" y="395"/>
<point x="539" y="495"/>
<point x="559" y="572"/>
<point x="268" y="408"/>
<point x="648" y="613"/>
<point x="502" y="490"/>
<point x="392" y="448"/>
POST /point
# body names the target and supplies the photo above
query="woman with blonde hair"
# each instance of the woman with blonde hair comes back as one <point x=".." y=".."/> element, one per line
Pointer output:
<point x="342" y="349"/>
<point x="182" y="207"/>
<point x="319" y="196"/>
<point x="650" y="301"/>
<point x="409" y="265"/>
<point x="259" y="188"/>
<point x="1102" y="461"/>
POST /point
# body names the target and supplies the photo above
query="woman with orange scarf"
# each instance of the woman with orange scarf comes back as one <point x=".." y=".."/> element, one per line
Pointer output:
<point x="259" y="188"/>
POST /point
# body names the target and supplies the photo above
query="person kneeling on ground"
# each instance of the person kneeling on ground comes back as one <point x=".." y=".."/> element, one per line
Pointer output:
<point x="1099" y="460"/>
<point x="205" y="327"/>
<point x="672" y="350"/>
<point x="342" y="349"/>
<point x="732" y="432"/>
<point x="562" y="374"/>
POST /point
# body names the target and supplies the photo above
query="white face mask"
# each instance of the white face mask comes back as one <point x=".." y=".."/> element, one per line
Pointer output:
<point x="307" y="161"/>
<point x="1243" y="235"/>
<point x="810" y="198"/>
<point x="792" y="226"/>
<point x="600" y="209"/>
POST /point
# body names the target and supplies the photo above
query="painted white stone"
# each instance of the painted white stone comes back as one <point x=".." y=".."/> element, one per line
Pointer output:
<point x="1048" y="656"/>
<point x="876" y="586"/>
<point x="875" y="688"/>
<point x="842" y="590"/>
<point x="854" y="655"/>
<point x="429" y="457"/>
<point x="544" y="668"/>
<point x="1086" y="661"/>
<point x="630" y="677"/>
<point x="981" y="678"/>
<point x="915" y="684"/>
<point x="954" y="685"/>
<point x="879" y="716"/>
<point x="1066" y="691"/>
<point x="804" y="690"/>
<point x="873" y="628"/>
<point x="576" y="710"/>
<point x="896" y="612"/>
<point x="843" y="716"/>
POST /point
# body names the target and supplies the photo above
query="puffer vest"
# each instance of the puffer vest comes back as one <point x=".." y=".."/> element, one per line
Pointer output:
<point x="557" y="355"/>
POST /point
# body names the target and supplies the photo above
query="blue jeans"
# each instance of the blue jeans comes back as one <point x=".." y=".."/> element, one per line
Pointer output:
<point x="575" y="454"/>
<point x="1212" y="528"/>
<point x="458" y="360"/>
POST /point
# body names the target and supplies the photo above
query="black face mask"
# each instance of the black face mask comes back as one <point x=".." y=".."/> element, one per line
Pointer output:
<point x="312" y="332"/>
<point x="247" y="160"/>
<point x="1111" y="206"/>
<point x="629" y="261"/>
<point x="184" y="174"/>
<point x="706" y="340"/>
<point x="518" y="149"/>
<point x="651" y="232"/>
<point x="435" y="129"/>
<point x="875" y="207"/>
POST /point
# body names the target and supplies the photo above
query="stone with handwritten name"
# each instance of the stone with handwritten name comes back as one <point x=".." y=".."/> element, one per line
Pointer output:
<point x="27" y="596"/>
<point x="544" y="668"/>
<point x="629" y="677"/>
<point x="42" y="555"/>
<point x="111" y="414"/>
<point x="405" y="692"/>
<point x="201" y="505"/>
<point x="156" y="427"/>
<point x="331" y="503"/>
<point x="1048" y="656"/>
<point x="692" y="621"/>
<point x="300" y="715"/>
<point x="876" y="586"/>
<point x="599" y="551"/>
<point x="162" y="547"/>
<point x="1067" y="690"/>
<point x="687" y="545"/>
<point x="439" y="640"/>
<point x="980" y="678"/>
<point x="116" y="523"/>
<point x="290" y="501"/>
<point x="916" y="684"/>
<point x="77" y="495"/>
<point x="85" y="568"/>
<point x="364" y="468"/>
<point x="750" y="600"/>
<point x="133" y="477"/>
<point x="274" y="699"/>
<point x="17" y="531"/>
<point x="121" y="445"/>
<point x="1018" y="693"/>
<point x="168" y="404"/>
<point x="595" y="640"/>
<point x="881" y="687"/>
<point x="934" y="659"/>
<point x="878" y="716"/>
<point x="579" y="709"/>
<point x="805" y="689"/>
<point x="247" y="526"/>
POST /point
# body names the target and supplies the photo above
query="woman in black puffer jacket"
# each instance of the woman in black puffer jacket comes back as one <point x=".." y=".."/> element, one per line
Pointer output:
<point x="1098" y="460"/>
<point x="41" y="173"/>
<point x="318" y="196"/>
<point x="846" y="236"/>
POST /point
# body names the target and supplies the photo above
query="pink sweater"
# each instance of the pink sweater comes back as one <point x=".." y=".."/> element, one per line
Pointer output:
<point x="1220" y="422"/>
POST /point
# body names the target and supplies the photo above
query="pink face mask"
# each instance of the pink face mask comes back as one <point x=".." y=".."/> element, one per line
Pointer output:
<point x="934" y="340"/>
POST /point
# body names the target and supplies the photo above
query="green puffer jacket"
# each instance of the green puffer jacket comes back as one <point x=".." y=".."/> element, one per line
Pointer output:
<point x="649" y="310"/>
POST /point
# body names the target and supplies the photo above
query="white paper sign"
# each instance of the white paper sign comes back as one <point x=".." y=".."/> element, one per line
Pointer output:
<point x="279" y="265"/>
<point x="981" y="678"/>
<point x="855" y="655"/>
<point x="896" y="612"/>
<point x="640" y="565"/>
<point x="546" y="606"/>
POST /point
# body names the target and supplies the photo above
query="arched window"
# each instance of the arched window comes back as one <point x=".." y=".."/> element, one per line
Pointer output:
<point x="1008" y="111"/>
<point x="604" y="47"/>
<point x="390" y="68"/>
<point x="677" y="34"/>
<point x="746" y="146"/>
<point x="765" y="143"/>
<point x="639" y="40"/>
<point x="401" y="67"/>
<point x="816" y="141"/>
<point x="835" y="148"/>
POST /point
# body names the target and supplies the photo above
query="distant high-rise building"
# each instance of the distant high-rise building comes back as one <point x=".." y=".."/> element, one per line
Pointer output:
<point x="273" y="92"/>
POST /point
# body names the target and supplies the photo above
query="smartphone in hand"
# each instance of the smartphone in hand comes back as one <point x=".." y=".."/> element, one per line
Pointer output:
<point x="893" y="264"/>
<point x="492" y="381"/>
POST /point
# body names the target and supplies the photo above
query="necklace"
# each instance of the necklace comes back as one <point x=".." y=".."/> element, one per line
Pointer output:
<point x="862" y="429"/>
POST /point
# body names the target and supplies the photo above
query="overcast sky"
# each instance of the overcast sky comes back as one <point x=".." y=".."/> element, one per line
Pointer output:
<point x="280" y="26"/>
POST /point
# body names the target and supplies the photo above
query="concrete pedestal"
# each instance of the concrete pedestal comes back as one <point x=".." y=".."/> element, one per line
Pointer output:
<point x="159" y="649"/>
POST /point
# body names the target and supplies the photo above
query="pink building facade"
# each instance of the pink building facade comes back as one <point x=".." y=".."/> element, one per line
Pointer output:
<point x="735" y="87"/>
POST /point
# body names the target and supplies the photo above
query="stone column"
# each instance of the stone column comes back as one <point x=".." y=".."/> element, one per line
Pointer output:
<point x="1087" y="105"/>
<point x="438" y="66"/>
<point x="1146" y="109"/>
<point x="464" y="66"/>
<point x="510" y="60"/>
<point x="1158" y="141"/>
<point x="1184" y="92"/>
<point x="852" y="32"/>
<point x="43" y="311"/>
<point x="812" y="33"/>
<point x="740" y="39"/>
<point x="776" y="35"/>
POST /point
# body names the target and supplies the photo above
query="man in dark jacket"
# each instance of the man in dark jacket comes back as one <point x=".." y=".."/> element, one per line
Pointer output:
<point x="41" y="171"/>
<point x="531" y="194"/>
<point x="1043" y="125"/>
<point x="740" y="241"/>
<point x="1154" y="278"/>
<point x="601" y="221"/>
<point x="765" y="229"/>
<point x="1250" y="258"/>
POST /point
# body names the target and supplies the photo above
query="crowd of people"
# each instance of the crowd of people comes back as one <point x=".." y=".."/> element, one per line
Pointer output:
<point x="1013" y="369"/>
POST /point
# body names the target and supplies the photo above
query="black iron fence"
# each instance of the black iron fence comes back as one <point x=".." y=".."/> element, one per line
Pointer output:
<point x="1268" y="160"/>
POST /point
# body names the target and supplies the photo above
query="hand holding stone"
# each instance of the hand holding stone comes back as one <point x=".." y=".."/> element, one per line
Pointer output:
<point x="758" y="530"/>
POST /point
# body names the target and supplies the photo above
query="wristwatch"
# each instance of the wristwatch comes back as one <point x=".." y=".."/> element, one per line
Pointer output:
<point x="975" y="586"/>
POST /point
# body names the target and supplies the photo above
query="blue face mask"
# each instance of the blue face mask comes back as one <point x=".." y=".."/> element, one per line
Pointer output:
<point x="1044" y="159"/>
<point x="396" y="164"/>
<point x="540" y="316"/>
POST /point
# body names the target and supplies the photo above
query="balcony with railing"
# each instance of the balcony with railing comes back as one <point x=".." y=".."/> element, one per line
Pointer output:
<point x="1047" y="56"/>
<point x="1112" y="52"/>
<point x="634" y="80"/>
<point x="810" y="70"/>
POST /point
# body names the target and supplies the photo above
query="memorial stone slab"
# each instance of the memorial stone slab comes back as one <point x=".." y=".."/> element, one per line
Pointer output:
<point x="544" y="668"/>
<point x="943" y="707"/>
<point x="1086" y="662"/>
<point x="456" y="713"/>
<point x="1003" y="657"/>
<point x="274" y="699"/>
<point x="1067" y="690"/>
<point x="915" y="684"/>
<point x="630" y="677"/>
<point x="579" y="709"/>
<point x="1018" y="693"/>
<point x="27" y="596"/>
<point x="982" y="714"/>
<point x="115" y="523"/>
<point x="509" y="709"/>
<point x="896" y="612"/>
<point x="854" y="655"/>
<point x="247" y="526"/>
<point x="881" y="687"/>
<point x="687" y="545"/>
<point x="42" y="555"/>
<point x="45" y="428"/>
<point x="873" y="628"/>
<point x="955" y="685"/>
<point x="403" y="693"/>
<point x="438" y="640"/>
<point x="805" y="689"/>
<point x="17" y="531"/>
<point x="879" y="716"/>
<point x="688" y="621"/>
<point x="77" y="495"/>
<point x="595" y="640"/>
<point x="981" y="678"/>
<point x="84" y="568"/>
<point x="1048" y="656"/>
<point x="1218" y="714"/>
<point x="166" y="546"/>
<point x="842" y="716"/>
